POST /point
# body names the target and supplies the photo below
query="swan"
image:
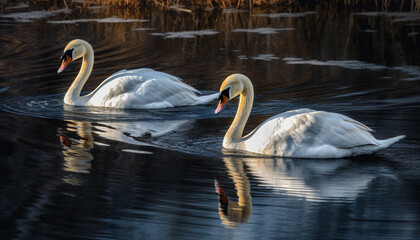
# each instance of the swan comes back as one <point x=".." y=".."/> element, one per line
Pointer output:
<point x="300" y="133"/>
<point x="141" y="88"/>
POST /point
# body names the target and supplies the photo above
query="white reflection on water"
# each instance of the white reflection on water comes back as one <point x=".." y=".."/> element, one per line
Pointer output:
<point x="78" y="140"/>
<point x="337" y="180"/>
<point x="315" y="180"/>
<point x="128" y="132"/>
<point x="414" y="71"/>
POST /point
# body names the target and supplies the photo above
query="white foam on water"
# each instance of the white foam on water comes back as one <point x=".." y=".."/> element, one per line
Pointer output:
<point x="99" y="20"/>
<point x="186" y="34"/>
<point x="263" y="30"/>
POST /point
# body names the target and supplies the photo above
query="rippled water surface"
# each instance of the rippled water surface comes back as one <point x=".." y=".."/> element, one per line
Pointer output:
<point x="92" y="173"/>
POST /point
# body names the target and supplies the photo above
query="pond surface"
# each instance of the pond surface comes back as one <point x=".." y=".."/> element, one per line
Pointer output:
<point x="91" y="173"/>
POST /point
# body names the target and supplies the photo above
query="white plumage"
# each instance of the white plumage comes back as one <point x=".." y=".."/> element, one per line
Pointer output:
<point x="306" y="133"/>
<point x="301" y="133"/>
<point x="138" y="88"/>
<point x="145" y="88"/>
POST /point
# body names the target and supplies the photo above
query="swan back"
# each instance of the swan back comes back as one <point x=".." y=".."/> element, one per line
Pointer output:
<point x="307" y="133"/>
<point x="142" y="88"/>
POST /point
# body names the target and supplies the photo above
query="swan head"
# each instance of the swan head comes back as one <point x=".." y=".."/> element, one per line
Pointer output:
<point x="231" y="87"/>
<point x="73" y="51"/>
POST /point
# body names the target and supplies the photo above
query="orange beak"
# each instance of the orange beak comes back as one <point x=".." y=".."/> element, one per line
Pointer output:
<point x="222" y="103"/>
<point x="64" y="64"/>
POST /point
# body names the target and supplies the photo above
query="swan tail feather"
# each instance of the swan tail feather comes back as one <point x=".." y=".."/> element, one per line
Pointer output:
<point x="388" y="142"/>
<point x="207" y="98"/>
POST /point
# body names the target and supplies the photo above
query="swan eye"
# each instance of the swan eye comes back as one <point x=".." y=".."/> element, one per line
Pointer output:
<point x="224" y="93"/>
<point x="68" y="53"/>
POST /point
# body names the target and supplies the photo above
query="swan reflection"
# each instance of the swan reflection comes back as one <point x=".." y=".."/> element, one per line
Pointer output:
<point x="309" y="179"/>
<point x="77" y="142"/>
<point x="232" y="212"/>
<point x="316" y="180"/>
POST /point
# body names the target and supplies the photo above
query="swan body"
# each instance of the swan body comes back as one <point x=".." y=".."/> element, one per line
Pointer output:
<point x="301" y="133"/>
<point x="137" y="88"/>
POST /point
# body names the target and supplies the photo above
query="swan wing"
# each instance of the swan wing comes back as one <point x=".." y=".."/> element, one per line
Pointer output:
<point x="309" y="133"/>
<point x="142" y="88"/>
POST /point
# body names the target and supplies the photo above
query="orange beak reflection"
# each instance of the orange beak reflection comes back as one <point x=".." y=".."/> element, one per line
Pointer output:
<point x="64" y="64"/>
<point x="222" y="103"/>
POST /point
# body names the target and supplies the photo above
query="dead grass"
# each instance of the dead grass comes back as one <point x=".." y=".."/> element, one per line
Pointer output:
<point x="188" y="5"/>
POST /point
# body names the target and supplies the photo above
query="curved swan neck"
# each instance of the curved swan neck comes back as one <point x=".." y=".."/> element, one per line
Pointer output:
<point x="72" y="96"/>
<point x="246" y="99"/>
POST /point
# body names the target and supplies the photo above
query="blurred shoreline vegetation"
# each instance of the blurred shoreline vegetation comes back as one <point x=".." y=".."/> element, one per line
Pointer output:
<point x="215" y="5"/>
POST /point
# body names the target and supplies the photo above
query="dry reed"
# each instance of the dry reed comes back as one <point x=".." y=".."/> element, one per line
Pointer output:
<point x="188" y="5"/>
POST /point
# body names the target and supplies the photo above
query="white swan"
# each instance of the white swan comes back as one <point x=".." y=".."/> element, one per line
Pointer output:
<point x="137" y="88"/>
<point x="301" y="133"/>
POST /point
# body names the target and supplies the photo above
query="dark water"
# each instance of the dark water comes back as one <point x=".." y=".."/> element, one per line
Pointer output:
<point x="90" y="173"/>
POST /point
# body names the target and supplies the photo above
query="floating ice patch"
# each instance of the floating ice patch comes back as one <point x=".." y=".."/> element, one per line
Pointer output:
<point x="387" y="14"/>
<point x="370" y="31"/>
<point x="292" y="59"/>
<point x="20" y="5"/>
<point x="35" y="15"/>
<point x="350" y="64"/>
<point x="232" y="10"/>
<point x="411" y="18"/>
<point x="263" y="30"/>
<point x="399" y="16"/>
<point x="284" y="15"/>
<point x="99" y="20"/>
<point x="265" y="57"/>
<point x="186" y="34"/>
<point x="413" y="71"/>
<point x="144" y="29"/>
